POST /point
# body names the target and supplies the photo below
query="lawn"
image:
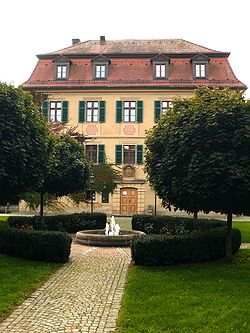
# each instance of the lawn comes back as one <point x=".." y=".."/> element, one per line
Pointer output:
<point x="244" y="227"/>
<point x="204" y="298"/>
<point x="18" y="278"/>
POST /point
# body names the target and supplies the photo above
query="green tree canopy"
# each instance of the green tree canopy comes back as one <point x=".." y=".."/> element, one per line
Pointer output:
<point x="69" y="171"/>
<point x="198" y="155"/>
<point x="24" y="139"/>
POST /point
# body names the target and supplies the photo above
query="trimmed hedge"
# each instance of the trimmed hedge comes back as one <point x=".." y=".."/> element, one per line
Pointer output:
<point x="67" y="223"/>
<point x="154" y="224"/>
<point x="161" y="250"/>
<point x="36" y="245"/>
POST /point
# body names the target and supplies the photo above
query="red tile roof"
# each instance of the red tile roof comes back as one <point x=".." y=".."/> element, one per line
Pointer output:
<point x="132" y="73"/>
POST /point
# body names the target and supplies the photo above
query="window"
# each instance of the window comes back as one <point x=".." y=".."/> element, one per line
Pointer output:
<point x="92" y="111"/>
<point x="100" y="71"/>
<point x="165" y="105"/>
<point x="129" y="154"/>
<point x="105" y="197"/>
<point x="200" y="70"/>
<point x="91" y="152"/>
<point x="61" y="72"/>
<point x="160" y="107"/>
<point x="90" y="195"/>
<point x="96" y="153"/>
<point x="55" y="111"/>
<point x="160" y="70"/>
<point x="129" y="111"/>
<point x="200" y="66"/>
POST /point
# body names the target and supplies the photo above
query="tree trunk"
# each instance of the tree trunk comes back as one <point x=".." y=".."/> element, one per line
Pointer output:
<point x="228" y="257"/>
<point x="41" y="205"/>
<point x="195" y="215"/>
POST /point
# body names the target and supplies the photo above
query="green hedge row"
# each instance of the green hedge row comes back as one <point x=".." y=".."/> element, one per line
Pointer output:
<point x="67" y="223"/>
<point x="36" y="245"/>
<point x="154" y="224"/>
<point x="161" y="250"/>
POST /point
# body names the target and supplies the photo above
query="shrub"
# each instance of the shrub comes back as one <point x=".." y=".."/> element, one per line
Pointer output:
<point x="70" y="223"/>
<point x="172" y="225"/>
<point x="35" y="245"/>
<point x="161" y="250"/>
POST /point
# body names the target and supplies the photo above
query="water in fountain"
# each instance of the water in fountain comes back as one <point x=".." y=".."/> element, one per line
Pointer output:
<point x="112" y="228"/>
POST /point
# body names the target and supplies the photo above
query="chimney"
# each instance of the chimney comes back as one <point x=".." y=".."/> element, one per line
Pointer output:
<point x="75" y="41"/>
<point x="102" y="40"/>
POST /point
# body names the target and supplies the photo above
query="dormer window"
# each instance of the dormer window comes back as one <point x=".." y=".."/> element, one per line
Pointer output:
<point x="200" y="70"/>
<point x="100" y="67"/>
<point x="61" y="72"/>
<point x="61" y="68"/>
<point x="160" y="71"/>
<point x="100" y="71"/>
<point x="200" y="66"/>
<point x="160" y="67"/>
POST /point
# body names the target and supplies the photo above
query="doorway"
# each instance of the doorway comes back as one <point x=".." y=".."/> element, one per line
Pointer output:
<point x="129" y="200"/>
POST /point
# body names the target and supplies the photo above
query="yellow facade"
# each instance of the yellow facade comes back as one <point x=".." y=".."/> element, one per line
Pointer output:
<point x="111" y="133"/>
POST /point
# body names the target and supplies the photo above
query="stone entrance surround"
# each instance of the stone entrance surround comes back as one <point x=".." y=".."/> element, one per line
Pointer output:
<point x="83" y="296"/>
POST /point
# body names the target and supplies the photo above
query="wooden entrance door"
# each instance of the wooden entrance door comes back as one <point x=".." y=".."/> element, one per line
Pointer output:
<point x="129" y="200"/>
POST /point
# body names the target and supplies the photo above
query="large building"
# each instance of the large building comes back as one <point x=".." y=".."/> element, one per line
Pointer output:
<point x="115" y="90"/>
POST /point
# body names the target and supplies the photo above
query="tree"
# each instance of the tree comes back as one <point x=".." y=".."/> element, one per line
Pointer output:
<point x="104" y="179"/>
<point x="24" y="147"/>
<point x="198" y="155"/>
<point x="67" y="170"/>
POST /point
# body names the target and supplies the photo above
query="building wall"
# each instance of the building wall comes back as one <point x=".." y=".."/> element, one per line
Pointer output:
<point x="111" y="133"/>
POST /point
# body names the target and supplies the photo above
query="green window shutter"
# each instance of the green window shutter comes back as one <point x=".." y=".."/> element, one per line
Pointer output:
<point x="45" y="109"/>
<point x="157" y="110"/>
<point x="139" y="154"/>
<point x="102" y="112"/>
<point x="81" y="116"/>
<point x="65" y="106"/>
<point x="118" y="154"/>
<point x="140" y="111"/>
<point x="118" y="111"/>
<point x="101" y="154"/>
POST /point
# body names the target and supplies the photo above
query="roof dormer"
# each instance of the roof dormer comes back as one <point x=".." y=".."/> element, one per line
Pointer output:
<point x="61" y="68"/>
<point x="100" y="67"/>
<point x="200" y="66"/>
<point x="160" y="66"/>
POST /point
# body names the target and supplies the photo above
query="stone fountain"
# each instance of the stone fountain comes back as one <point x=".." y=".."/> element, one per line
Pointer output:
<point x="112" y="235"/>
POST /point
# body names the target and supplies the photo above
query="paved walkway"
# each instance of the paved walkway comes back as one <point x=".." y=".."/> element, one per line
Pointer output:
<point x="83" y="296"/>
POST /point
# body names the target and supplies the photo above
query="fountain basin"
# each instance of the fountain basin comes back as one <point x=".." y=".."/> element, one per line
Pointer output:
<point x="98" y="238"/>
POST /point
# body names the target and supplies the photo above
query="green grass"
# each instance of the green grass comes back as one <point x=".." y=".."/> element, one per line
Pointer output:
<point x="18" y="278"/>
<point x="204" y="298"/>
<point x="244" y="227"/>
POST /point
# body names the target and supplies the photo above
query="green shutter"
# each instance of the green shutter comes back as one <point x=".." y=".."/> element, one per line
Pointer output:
<point x="140" y="111"/>
<point x="81" y="115"/>
<point x="118" y="111"/>
<point x="65" y="106"/>
<point x="101" y="154"/>
<point x="102" y="112"/>
<point x="118" y="154"/>
<point x="157" y="110"/>
<point x="45" y="109"/>
<point x="139" y="154"/>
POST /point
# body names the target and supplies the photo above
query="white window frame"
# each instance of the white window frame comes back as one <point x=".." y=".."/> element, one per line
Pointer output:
<point x="61" y="72"/>
<point x="100" y="71"/>
<point x="200" y="70"/>
<point x="55" y="111"/>
<point x="129" y="112"/>
<point x="92" y="111"/>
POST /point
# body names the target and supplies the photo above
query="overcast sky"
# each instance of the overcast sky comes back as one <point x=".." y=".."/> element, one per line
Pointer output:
<point x="31" y="27"/>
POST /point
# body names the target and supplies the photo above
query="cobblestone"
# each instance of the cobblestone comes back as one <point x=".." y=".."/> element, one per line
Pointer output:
<point x="82" y="297"/>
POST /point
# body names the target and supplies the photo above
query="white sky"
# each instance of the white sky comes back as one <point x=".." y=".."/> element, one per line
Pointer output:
<point x="31" y="27"/>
